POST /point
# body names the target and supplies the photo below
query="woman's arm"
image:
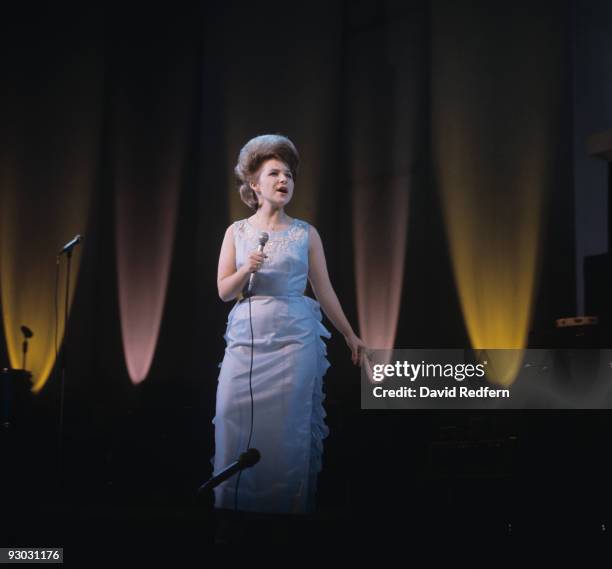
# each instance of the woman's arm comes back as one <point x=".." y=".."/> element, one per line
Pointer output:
<point x="322" y="287"/>
<point x="230" y="281"/>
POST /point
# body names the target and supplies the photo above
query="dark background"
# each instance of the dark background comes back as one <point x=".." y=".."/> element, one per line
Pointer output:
<point x="210" y="76"/>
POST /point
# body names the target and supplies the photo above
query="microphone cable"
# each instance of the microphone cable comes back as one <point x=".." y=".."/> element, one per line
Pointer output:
<point x="252" y="402"/>
<point x="263" y="239"/>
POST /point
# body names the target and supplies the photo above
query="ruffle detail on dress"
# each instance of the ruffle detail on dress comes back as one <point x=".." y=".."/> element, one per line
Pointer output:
<point x="212" y="458"/>
<point x="319" y="430"/>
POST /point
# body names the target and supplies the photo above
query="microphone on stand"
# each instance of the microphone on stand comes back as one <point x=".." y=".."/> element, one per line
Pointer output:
<point x="245" y="460"/>
<point x="70" y="245"/>
<point x="27" y="334"/>
<point x="263" y="239"/>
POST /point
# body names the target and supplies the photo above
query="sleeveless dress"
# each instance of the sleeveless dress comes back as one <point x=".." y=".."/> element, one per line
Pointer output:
<point x="289" y="362"/>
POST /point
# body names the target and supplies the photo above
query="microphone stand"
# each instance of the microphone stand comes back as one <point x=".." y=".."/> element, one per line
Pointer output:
<point x="63" y="364"/>
<point x="24" y="348"/>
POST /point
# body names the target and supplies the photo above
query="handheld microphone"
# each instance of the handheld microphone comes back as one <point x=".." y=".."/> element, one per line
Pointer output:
<point x="263" y="239"/>
<point x="245" y="460"/>
<point x="70" y="245"/>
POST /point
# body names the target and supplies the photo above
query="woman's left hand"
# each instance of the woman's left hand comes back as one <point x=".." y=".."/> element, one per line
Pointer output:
<point x="357" y="347"/>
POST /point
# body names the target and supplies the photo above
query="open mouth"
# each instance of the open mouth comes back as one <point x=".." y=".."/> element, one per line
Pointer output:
<point x="283" y="190"/>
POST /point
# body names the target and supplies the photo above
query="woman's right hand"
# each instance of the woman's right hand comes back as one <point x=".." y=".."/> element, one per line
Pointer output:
<point x="254" y="261"/>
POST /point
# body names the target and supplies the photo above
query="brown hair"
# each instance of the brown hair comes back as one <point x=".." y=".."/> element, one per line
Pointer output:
<point x="254" y="153"/>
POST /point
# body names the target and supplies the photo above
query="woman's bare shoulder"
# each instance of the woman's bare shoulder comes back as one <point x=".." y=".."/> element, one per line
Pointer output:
<point x="312" y="230"/>
<point x="235" y="227"/>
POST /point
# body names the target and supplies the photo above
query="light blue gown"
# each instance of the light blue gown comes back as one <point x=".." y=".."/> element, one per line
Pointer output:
<point x="289" y="362"/>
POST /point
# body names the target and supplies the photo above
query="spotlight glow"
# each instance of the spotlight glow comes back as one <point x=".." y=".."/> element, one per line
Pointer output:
<point x="28" y="260"/>
<point x="493" y="131"/>
<point x="144" y="255"/>
<point x="379" y="270"/>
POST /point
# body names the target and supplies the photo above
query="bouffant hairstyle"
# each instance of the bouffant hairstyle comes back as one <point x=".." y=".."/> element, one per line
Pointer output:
<point x="254" y="153"/>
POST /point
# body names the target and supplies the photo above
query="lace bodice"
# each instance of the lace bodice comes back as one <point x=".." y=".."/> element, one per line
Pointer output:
<point x="285" y="271"/>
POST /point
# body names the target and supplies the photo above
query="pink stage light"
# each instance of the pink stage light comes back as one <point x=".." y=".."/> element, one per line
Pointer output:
<point x="145" y="230"/>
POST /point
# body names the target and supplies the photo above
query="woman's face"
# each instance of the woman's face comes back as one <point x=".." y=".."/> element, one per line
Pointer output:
<point x="274" y="183"/>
